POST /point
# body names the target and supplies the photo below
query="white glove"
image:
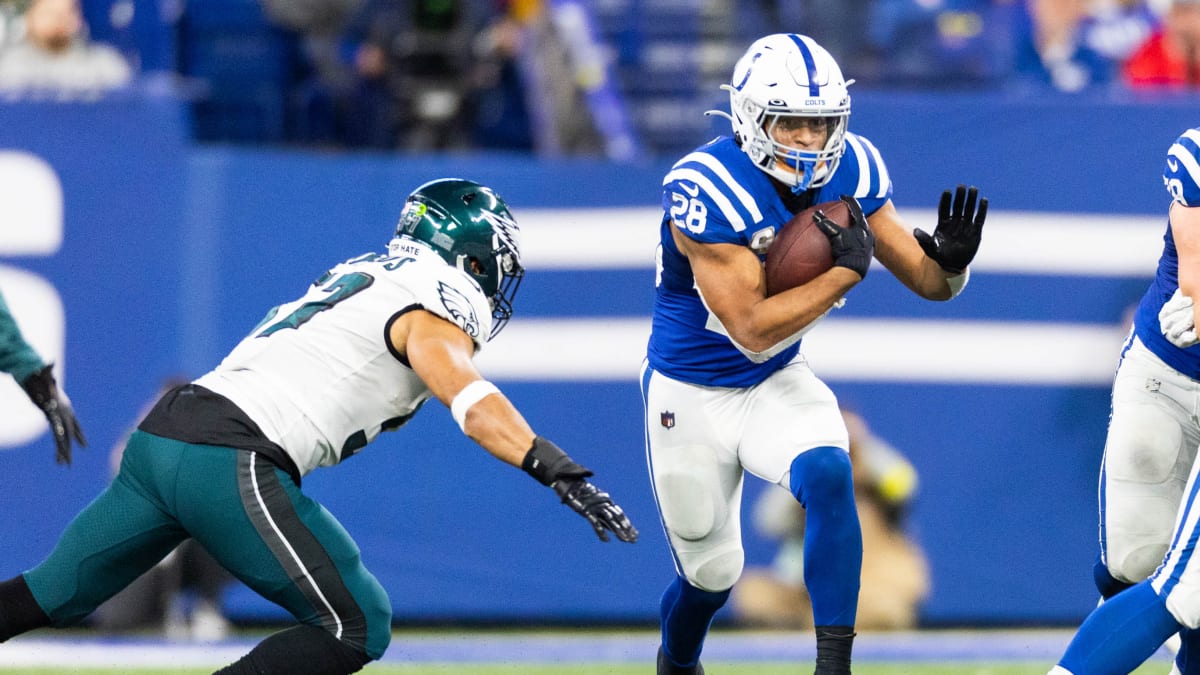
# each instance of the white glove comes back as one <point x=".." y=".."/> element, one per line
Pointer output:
<point x="1177" y="320"/>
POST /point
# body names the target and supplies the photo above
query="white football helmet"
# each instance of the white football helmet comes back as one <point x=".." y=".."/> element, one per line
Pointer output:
<point x="779" y="78"/>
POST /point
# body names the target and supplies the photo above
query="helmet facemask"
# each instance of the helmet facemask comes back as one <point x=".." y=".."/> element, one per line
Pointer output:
<point x="798" y="168"/>
<point x="498" y="272"/>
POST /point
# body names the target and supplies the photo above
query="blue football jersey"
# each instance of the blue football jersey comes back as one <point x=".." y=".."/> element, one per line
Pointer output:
<point x="716" y="194"/>
<point x="1181" y="175"/>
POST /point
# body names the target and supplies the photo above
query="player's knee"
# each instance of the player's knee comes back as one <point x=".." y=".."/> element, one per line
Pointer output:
<point x="822" y="475"/>
<point x="1182" y="606"/>
<point x="714" y="572"/>
<point x="1106" y="583"/>
<point x="1132" y="564"/>
<point x="376" y="630"/>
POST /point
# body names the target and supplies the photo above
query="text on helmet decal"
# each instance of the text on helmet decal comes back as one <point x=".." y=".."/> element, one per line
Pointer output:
<point x="411" y="215"/>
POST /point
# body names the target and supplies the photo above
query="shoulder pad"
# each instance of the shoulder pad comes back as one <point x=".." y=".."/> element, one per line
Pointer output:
<point x="711" y="196"/>
<point x="451" y="294"/>
<point x="1182" y="172"/>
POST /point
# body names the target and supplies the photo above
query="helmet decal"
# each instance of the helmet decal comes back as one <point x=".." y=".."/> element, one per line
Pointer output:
<point x="810" y="65"/>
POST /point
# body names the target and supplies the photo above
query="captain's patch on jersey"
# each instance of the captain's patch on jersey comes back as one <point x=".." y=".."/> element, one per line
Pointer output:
<point x="459" y="309"/>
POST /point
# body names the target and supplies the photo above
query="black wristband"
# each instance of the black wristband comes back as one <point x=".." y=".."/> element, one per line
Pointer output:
<point x="547" y="463"/>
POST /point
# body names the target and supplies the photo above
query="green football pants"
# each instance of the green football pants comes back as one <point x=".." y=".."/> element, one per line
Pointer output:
<point x="247" y="512"/>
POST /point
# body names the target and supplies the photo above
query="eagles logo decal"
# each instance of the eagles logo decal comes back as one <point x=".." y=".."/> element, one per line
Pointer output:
<point x="459" y="309"/>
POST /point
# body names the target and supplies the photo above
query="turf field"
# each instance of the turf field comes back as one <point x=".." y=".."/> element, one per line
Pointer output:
<point x="718" y="668"/>
<point x="605" y="652"/>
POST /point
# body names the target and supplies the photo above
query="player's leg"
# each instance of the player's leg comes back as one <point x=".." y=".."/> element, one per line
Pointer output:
<point x="254" y="520"/>
<point x="112" y="541"/>
<point x="1151" y="446"/>
<point x="1129" y="627"/>
<point x="1119" y="635"/>
<point x="697" y="485"/>
<point x="1148" y="455"/>
<point x="797" y="438"/>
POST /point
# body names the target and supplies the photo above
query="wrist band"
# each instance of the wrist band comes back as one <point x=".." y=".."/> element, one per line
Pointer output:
<point x="469" y="396"/>
<point x="958" y="282"/>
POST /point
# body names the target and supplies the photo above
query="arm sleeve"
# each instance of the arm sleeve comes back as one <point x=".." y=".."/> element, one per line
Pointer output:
<point x="16" y="356"/>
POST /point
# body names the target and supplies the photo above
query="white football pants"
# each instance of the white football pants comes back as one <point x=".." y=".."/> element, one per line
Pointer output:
<point x="1148" y="481"/>
<point x="701" y="440"/>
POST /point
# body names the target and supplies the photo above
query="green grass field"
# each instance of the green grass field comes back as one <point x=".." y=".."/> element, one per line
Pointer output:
<point x="913" y="668"/>
<point x="565" y="652"/>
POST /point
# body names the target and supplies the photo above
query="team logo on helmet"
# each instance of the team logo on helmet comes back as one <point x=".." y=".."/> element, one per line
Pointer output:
<point x="506" y="230"/>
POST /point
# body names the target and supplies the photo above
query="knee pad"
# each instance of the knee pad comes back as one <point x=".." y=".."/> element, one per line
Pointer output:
<point x="821" y="474"/>
<point x="713" y="571"/>
<point x="689" y="497"/>
<point x="1145" y="471"/>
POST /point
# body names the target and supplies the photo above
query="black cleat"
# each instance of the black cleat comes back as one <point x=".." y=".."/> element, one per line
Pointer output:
<point x="665" y="667"/>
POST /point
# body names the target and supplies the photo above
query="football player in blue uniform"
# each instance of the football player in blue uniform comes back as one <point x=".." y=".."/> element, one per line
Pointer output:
<point x="221" y="459"/>
<point x="36" y="377"/>
<point x="1148" y="508"/>
<point x="724" y="386"/>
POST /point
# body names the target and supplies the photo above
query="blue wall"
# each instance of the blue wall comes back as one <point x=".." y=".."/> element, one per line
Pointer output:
<point x="172" y="252"/>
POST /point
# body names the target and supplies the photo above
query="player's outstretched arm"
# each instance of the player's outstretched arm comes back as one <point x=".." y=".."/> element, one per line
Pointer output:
<point x="443" y="356"/>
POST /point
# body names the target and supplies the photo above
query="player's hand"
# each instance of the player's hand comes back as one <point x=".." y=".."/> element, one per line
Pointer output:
<point x="955" y="240"/>
<point x="1177" y="320"/>
<point x="597" y="507"/>
<point x="42" y="389"/>
<point x="853" y="246"/>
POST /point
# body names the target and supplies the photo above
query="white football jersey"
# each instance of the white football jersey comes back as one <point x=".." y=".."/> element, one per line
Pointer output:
<point x="317" y="375"/>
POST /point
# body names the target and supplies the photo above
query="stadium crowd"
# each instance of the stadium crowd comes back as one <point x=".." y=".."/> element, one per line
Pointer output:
<point x="525" y="75"/>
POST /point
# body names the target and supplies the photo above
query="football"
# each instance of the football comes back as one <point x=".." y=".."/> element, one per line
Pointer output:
<point x="801" y="251"/>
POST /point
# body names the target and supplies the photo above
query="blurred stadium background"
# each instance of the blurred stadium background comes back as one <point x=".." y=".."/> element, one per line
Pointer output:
<point x="143" y="233"/>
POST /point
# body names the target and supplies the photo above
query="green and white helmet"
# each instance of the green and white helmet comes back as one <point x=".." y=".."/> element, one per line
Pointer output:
<point x="471" y="228"/>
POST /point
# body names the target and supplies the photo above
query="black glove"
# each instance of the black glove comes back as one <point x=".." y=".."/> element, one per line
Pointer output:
<point x="853" y="246"/>
<point x="955" y="240"/>
<point x="43" y="391"/>
<point x="546" y="462"/>
<point x="588" y="501"/>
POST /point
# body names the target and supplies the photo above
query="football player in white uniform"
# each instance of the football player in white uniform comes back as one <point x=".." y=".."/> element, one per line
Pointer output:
<point x="725" y="388"/>
<point x="221" y="459"/>
<point x="1148" y="511"/>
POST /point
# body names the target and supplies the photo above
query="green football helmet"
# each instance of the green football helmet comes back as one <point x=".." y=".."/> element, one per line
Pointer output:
<point x="471" y="228"/>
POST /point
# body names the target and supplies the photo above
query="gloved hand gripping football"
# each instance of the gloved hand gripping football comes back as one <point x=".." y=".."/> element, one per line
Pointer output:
<point x="854" y="246"/>
<point x="546" y="462"/>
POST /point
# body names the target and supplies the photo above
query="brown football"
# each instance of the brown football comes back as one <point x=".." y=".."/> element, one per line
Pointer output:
<point x="801" y="252"/>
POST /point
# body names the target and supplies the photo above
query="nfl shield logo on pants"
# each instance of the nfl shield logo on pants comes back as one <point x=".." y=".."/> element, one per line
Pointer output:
<point x="667" y="418"/>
